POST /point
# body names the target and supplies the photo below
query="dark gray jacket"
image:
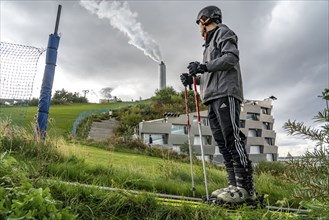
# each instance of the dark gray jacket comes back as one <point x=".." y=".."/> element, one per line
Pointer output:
<point x="221" y="56"/>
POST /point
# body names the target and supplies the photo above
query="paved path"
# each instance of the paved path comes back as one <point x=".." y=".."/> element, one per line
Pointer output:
<point x="100" y="131"/>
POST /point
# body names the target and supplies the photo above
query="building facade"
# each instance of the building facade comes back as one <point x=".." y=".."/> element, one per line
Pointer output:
<point x="256" y="123"/>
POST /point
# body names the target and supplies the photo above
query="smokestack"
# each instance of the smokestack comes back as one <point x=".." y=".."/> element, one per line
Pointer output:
<point x="162" y="75"/>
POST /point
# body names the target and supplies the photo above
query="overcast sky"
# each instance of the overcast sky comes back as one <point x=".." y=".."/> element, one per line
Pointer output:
<point x="283" y="49"/>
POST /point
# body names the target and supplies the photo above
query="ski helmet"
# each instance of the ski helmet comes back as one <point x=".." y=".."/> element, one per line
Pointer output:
<point x="209" y="14"/>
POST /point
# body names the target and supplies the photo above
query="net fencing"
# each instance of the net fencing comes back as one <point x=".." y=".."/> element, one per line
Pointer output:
<point x="18" y="67"/>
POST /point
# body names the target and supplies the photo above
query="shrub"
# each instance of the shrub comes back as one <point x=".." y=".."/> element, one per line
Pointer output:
<point x="273" y="168"/>
<point x="312" y="173"/>
<point x="84" y="127"/>
<point x="312" y="170"/>
<point x="20" y="200"/>
<point x="138" y="146"/>
<point x="34" y="102"/>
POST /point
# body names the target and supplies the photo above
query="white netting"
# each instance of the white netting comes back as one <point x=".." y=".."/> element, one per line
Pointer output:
<point x="18" y="66"/>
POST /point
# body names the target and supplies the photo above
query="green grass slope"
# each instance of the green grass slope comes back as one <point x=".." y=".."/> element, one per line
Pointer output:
<point x="93" y="165"/>
<point x="58" y="160"/>
<point x="64" y="115"/>
<point x="61" y="117"/>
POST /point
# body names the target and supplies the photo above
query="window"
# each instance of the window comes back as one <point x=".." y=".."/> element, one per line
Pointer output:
<point x="196" y="140"/>
<point x="265" y="111"/>
<point x="242" y="123"/>
<point x="203" y="120"/>
<point x="157" y="139"/>
<point x="164" y="138"/>
<point x="178" y="129"/>
<point x="267" y="125"/>
<point x="255" y="149"/>
<point x="252" y="116"/>
<point x="269" y="157"/>
<point x="254" y="133"/>
<point x="269" y="141"/>
<point x="206" y="140"/>
<point x="217" y="151"/>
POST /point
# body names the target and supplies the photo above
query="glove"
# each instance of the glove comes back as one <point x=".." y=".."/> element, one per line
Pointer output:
<point x="196" y="67"/>
<point x="186" y="79"/>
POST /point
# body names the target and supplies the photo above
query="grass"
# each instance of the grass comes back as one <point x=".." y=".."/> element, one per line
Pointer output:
<point x="93" y="165"/>
<point x="127" y="170"/>
<point x="127" y="206"/>
<point x="61" y="117"/>
<point x="59" y="160"/>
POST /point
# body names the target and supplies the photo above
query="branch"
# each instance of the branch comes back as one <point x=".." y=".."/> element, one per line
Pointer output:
<point x="299" y="129"/>
<point x="322" y="116"/>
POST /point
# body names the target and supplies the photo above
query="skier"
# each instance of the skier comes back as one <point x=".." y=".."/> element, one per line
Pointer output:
<point x="221" y="90"/>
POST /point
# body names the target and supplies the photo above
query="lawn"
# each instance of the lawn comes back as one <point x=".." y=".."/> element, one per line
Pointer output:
<point x="75" y="162"/>
<point x="97" y="156"/>
<point x="136" y="171"/>
<point x="61" y="117"/>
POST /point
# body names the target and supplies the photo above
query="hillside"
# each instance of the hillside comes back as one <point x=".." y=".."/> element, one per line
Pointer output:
<point x="62" y="117"/>
<point x="114" y="165"/>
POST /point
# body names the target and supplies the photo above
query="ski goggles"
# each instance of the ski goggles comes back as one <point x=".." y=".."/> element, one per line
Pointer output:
<point x="204" y="21"/>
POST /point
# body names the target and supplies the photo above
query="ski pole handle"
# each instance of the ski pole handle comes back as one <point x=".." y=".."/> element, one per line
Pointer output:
<point x="196" y="98"/>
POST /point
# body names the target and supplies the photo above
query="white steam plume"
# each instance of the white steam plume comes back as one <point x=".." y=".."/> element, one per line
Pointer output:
<point x="120" y="17"/>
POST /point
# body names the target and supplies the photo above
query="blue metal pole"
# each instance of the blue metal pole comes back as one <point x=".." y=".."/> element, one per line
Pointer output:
<point x="48" y="79"/>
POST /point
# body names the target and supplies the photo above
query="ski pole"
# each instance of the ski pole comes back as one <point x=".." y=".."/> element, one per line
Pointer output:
<point x="189" y="138"/>
<point x="200" y="134"/>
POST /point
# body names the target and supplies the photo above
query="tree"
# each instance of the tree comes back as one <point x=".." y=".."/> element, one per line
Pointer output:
<point x="65" y="97"/>
<point x="106" y="92"/>
<point x="34" y="102"/>
<point x="167" y="100"/>
<point x="191" y="101"/>
<point x="164" y="96"/>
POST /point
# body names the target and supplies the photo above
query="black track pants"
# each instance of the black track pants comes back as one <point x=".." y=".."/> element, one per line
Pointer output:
<point x="224" y="120"/>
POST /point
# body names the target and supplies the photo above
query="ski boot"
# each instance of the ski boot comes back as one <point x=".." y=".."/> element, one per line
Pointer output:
<point x="231" y="182"/>
<point x="244" y="192"/>
<point x="236" y="195"/>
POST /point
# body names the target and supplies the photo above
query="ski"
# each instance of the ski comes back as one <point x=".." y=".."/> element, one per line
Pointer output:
<point x="176" y="200"/>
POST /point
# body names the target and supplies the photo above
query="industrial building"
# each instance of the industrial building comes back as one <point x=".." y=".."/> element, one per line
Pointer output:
<point x="256" y="123"/>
